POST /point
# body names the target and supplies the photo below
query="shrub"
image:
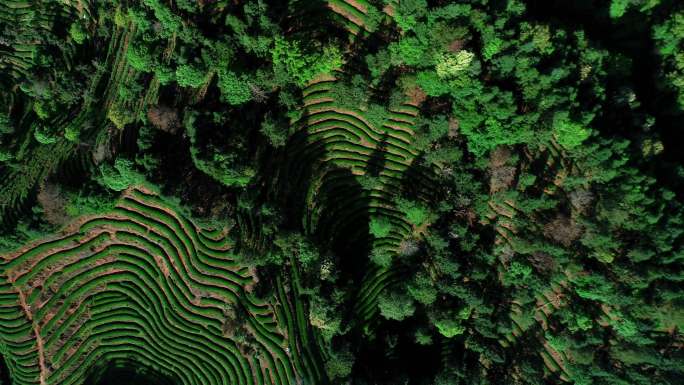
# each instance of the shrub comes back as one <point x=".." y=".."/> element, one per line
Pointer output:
<point x="276" y="134"/>
<point x="396" y="306"/>
<point x="120" y="176"/>
<point x="380" y="227"/>
<point x="416" y="213"/>
<point x="5" y="124"/>
<point x="120" y="18"/>
<point x="410" y="51"/>
<point x="569" y="134"/>
<point x="72" y="132"/>
<point x="88" y="204"/>
<point x="517" y="273"/>
<point x="42" y="109"/>
<point x="432" y="84"/>
<point x="618" y="8"/>
<point x="44" y="137"/>
<point x="119" y="116"/>
<point x="423" y="337"/>
<point x="5" y="156"/>
<point x="138" y="57"/>
<point x="188" y="75"/>
<point x="381" y="257"/>
<point x="77" y="32"/>
<point x="339" y="365"/>
<point x="422" y="289"/>
<point x="408" y="12"/>
<point x="234" y="88"/>
<point x="449" y="327"/>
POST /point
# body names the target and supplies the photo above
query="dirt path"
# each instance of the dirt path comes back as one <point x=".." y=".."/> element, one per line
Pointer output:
<point x="36" y="330"/>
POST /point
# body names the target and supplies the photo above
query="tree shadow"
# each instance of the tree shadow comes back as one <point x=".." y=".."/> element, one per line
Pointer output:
<point x="4" y="372"/>
<point x="419" y="182"/>
<point x="127" y="372"/>
<point x="377" y="160"/>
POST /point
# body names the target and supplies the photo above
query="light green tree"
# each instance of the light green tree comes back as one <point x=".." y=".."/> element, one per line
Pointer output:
<point x="449" y="65"/>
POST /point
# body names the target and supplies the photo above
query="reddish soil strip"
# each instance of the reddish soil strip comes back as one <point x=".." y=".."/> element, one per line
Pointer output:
<point x="36" y="330"/>
<point x="29" y="265"/>
<point x="362" y="8"/>
<point x="340" y="11"/>
<point x="323" y="78"/>
<point x="403" y="117"/>
<point x="343" y="112"/>
<point x="556" y="356"/>
<point x="162" y="265"/>
<point x="389" y="10"/>
<point x="366" y="143"/>
<point x="399" y="128"/>
<point x="318" y="101"/>
<point x="41" y="355"/>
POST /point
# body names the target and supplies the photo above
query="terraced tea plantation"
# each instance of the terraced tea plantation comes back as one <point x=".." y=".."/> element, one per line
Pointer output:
<point x="346" y="148"/>
<point x="143" y="283"/>
<point x="312" y="192"/>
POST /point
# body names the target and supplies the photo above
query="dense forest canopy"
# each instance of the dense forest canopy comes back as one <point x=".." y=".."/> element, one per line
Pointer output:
<point x="341" y="192"/>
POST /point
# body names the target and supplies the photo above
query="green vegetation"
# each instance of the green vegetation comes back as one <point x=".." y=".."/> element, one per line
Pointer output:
<point x="317" y="192"/>
<point x="300" y="66"/>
